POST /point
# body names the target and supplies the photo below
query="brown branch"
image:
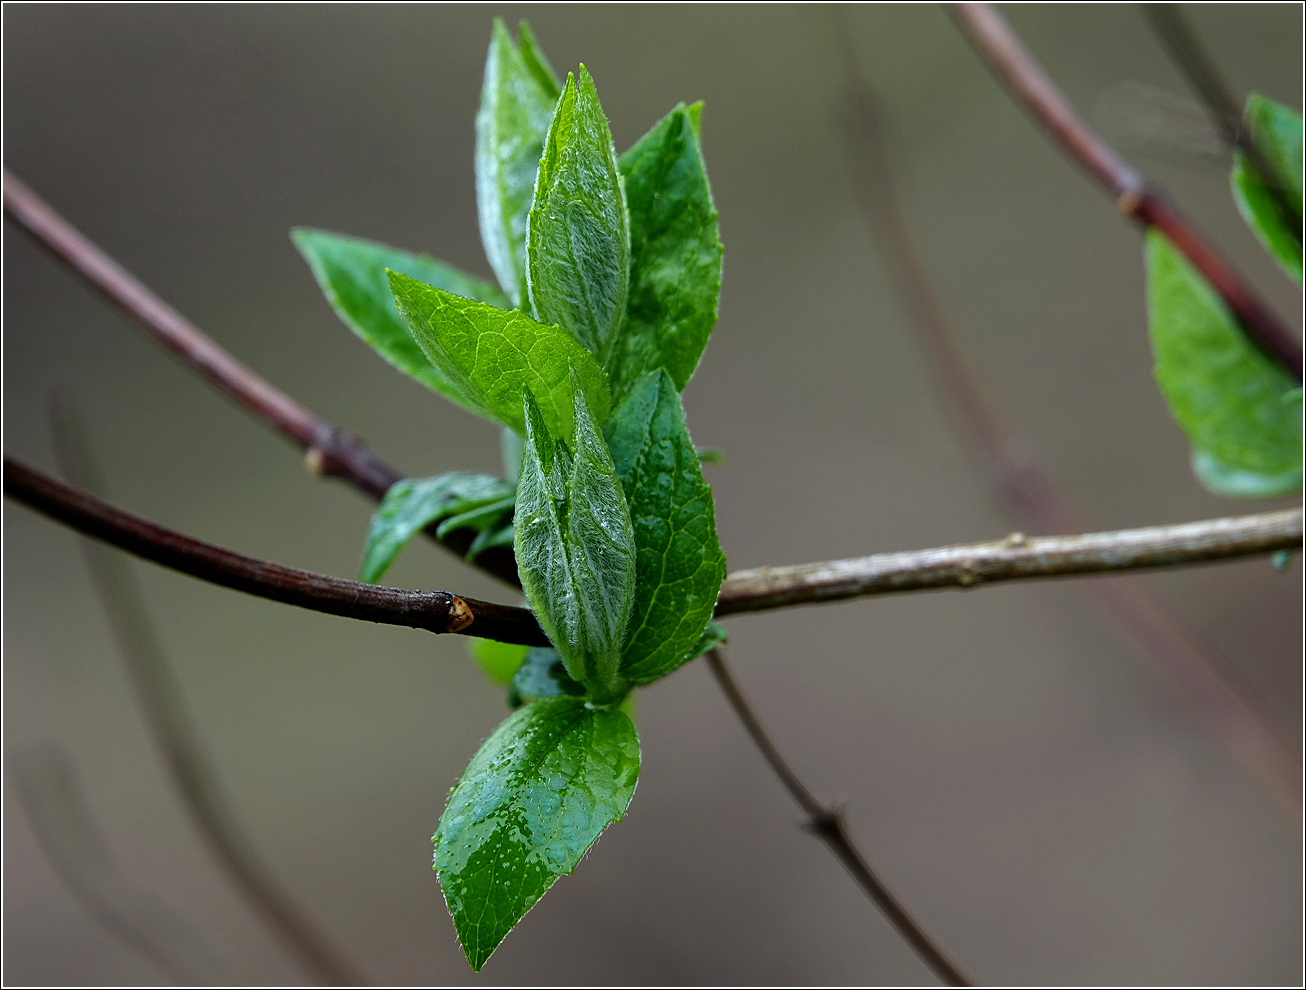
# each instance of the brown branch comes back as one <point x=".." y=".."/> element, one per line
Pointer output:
<point x="1016" y="558"/>
<point x="827" y="822"/>
<point x="435" y="611"/>
<point x="330" y="450"/>
<point x="1025" y="79"/>
<point x="1007" y="460"/>
<point x="1185" y="48"/>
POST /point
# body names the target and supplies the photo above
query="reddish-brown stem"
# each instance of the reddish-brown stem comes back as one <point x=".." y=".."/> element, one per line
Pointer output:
<point x="331" y="451"/>
<point x="435" y="611"/>
<point x="1027" y="81"/>
<point x="827" y="822"/>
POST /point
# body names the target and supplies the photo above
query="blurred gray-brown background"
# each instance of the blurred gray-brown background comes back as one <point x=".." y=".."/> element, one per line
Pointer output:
<point x="1051" y="805"/>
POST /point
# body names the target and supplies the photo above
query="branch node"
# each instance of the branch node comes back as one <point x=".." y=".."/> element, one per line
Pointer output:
<point x="1016" y="539"/>
<point x="460" y="614"/>
<point x="315" y="459"/>
<point x="1129" y="201"/>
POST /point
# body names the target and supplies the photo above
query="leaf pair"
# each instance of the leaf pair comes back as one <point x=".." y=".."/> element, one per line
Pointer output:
<point x="1240" y="410"/>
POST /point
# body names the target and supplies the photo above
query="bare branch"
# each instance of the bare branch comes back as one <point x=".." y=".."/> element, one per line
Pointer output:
<point x="435" y="611"/>
<point x="67" y="833"/>
<point x="1008" y="461"/>
<point x="330" y="450"/>
<point x="1016" y="558"/>
<point x="827" y="822"/>
<point x="1136" y="199"/>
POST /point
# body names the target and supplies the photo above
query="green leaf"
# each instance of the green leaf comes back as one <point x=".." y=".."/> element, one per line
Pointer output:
<point x="1233" y="402"/>
<point x="492" y="357"/>
<point x="351" y="272"/>
<point x="713" y="636"/>
<point x="675" y="252"/>
<point x="578" y="243"/>
<point x="502" y="537"/>
<point x="511" y="125"/>
<point x="575" y="548"/>
<point x="413" y="504"/>
<point x="535" y="797"/>
<point x="1277" y="131"/>
<point x="537" y="64"/>
<point x="544" y="675"/>
<point x="680" y="563"/>
<point x="500" y="661"/>
<point x="479" y="516"/>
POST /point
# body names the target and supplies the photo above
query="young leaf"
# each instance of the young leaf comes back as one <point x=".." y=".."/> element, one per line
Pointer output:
<point x="1231" y="400"/>
<point x="500" y="661"/>
<point x="351" y="272"/>
<point x="575" y="548"/>
<point x="1277" y="131"/>
<point x="535" y="797"/>
<point x="675" y="255"/>
<point x="577" y="242"/>
<point x="510" y="129"/>
<point x="536" y="63"/>
<point x="492" y="357"/>
<point x="413" y="504"/>
<point x="544" y="675"/>
<point x="680" y="565"/>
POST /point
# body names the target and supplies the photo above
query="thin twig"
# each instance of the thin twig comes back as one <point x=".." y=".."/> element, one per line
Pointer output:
<point x="435" y="611"/>
<point x="1015" y="558"/>
<point x="1026" y="80"/>
<point x="165" y="714"/>
<point x="1012" y="559"/>
<point x="1009" y="463"/>
<point x="828" y="823"/>
<point x="1185" y="48"/>
<point x="330" y="450"/>
<point x="73" y="844"/>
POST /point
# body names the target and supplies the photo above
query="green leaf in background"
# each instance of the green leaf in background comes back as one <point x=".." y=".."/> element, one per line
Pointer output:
<point x="414" y="503"/>
<point x="1231" y="400"/>
<point x="492" y="356"/>
<point x="516" y="107"/>
<point x="544" y="675"/>
<point x="536" y="63"/>
<point x="351" y="272"/>
<point x="680" y="565"/>
<point x="500" y="661"/>
<point x="578" y="243"/>
<point x="675" y="255"/>
<point x="535" y="797"/>
<point x="575" y="548"/>
<point x="1277" y="131"/>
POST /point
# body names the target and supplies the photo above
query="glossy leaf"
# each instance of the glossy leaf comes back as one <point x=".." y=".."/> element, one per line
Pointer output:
<point x="535" y="797"/>
<point x="351" y="272"/>
<point x="576" y="549"/>
<point x="500" y="661"/>
<point x="493" y="357"/>
<point x="544" y="675"/>
<point x="578" y="243"/>
<point x="511" y="125"/>
<point x="675" y="256"/>
<point x="1234" y="403"/>
<point x="413" y="504"/>
<point x="680" y="565"/>
<point x="1277" y="131"/>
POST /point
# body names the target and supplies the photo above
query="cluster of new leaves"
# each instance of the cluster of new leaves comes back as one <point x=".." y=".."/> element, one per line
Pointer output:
<point x="609" y="271"/>
<point x="1241" y="411"/>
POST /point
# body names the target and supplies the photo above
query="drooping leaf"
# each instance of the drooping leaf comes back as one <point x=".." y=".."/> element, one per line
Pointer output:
<point x="680" y="565"/>
<point x="575" y="548"/>
<point x="1231" y="400"/>
<point x="544" y="675"/>
<point x="413" y="504"/>
<point x="533" y="57"/>
<point x="713" y="636"/>
<point x="675" y="255"/>
<point x="535" y="797"/>
<point x="501" y="537"/>
<point x="1277" y="131"/>
<point x="578" y="243"/>
<point x="479" y="516"/>
<point x="492" y="357"/>
<point x="516" y="107"/>
<point x="500" y="661"/>
<point x="351" y="272"/>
